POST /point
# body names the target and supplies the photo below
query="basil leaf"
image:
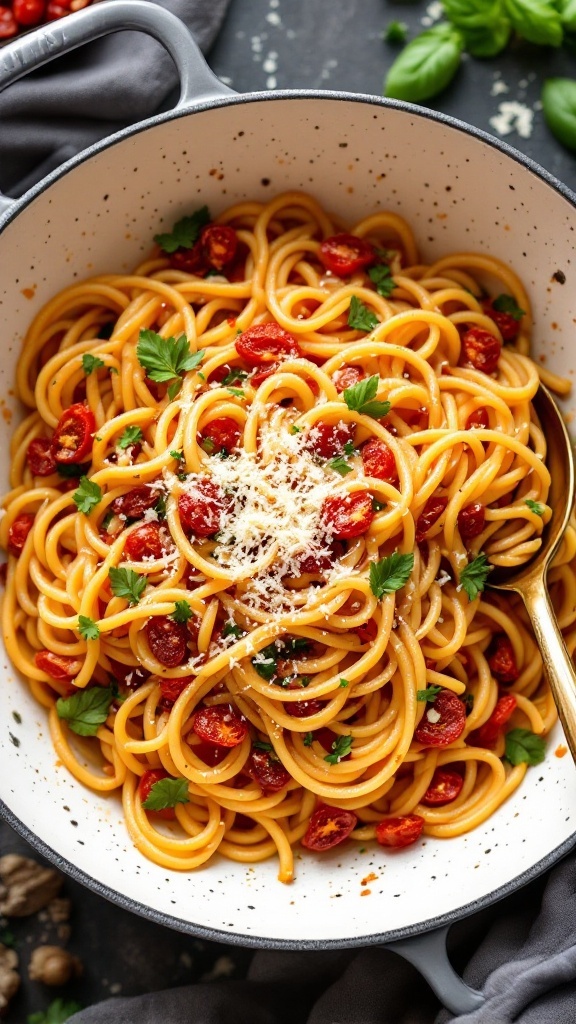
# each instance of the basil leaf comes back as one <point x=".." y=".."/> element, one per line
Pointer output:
<point x="559" y="106"/>
<point x="488" y="41"/>
<point x="538" y="21"/>
<point x="426" y="66"/>
<point x="166" y="793"/>
<point x="86" y="710"/>
<point x="524" y="747"/>
<point x="567" y="10"/>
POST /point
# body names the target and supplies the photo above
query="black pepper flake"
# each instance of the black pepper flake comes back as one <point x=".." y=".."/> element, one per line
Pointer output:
<point x="559" y="276"/>
<point x="17" y="717"/>
<point x="14" y="740"/>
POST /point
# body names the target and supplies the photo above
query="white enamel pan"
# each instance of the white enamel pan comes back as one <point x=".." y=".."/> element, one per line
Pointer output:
<point x="460" y="189"/>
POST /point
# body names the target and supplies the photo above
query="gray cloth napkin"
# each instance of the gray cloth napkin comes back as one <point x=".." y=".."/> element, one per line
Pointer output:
<point x="86" y="95"/>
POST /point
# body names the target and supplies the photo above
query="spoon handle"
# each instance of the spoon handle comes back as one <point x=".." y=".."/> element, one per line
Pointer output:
<point x="558" y="664"/>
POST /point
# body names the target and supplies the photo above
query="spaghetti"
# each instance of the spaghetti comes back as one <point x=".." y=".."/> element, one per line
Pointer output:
<point x="252" y="514"/>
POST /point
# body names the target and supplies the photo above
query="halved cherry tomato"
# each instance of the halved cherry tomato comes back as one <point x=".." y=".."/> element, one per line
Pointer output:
<point x="130" y="676"/>
<point x="144" y="542"/>
<point x="171" y="690"/>
<point x="315" y="564"/>
<point x="208" y="752"/>
<point x="471" y="520"/>
<point x="221" y="372"/>
<point x="267" y="770"/>
<point x="219" y="243"/>
<point x="328" y="439"/>
<point x="259" y="376"/>
<point x="347" y="377"/>
<point x="263" y="343"/>
<point x="401" y="831"/>
<point x="508" y="325"/>
<point x="478" y="418"/>
<point x="221" y="432"/>
<point x="191" y="261"/>
<point x="18" y="532"/>
<point x="201" y="511"/>
<point x="3" y="573"/>
<point x="349" y="515"/>
<point x="430" y="514"/>
<point x="303" y="708"/>
<point x="55" y="11"/>
<point x="481" y="349"/>
<point x="378" y="460"/>
<point x="367" y="632"/>
<point x="167" y="640"/>
<point x="8" y="23"/>
<point x="72" y="439"/>
<point x="149" y="779"/>
<point x="328" y="826"/>
<point x="445" y="786"/>
<point x="502" y="661"/>
<point x="39" y="456"/>
<point x="58" y="666"/>
<point x="487" y="735"/>
<point x="448" y="727"/>
<point x="134" y="503"/>
<point x="220" y="725"/>
<point x="28" y="12"/>
<point x="344" y="254"/>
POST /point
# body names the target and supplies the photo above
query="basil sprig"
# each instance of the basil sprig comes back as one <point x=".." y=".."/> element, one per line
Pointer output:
<point x="559" y="106"/>
<point x="426" y="65"/>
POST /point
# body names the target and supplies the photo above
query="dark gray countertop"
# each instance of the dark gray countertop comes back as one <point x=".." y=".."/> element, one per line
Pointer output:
<point x="285" y="44"/>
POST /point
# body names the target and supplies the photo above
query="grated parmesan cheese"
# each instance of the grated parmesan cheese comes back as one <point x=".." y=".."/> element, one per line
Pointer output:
<point x="513" y="116"/>
<point x="433" y="716"/>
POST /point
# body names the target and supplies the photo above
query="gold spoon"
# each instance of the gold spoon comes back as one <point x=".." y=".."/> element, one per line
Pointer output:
<point x="530" y="580"/>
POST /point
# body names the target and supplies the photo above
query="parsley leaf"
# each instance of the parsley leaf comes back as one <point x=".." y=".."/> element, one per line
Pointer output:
<point x="71" y="470"/>
<point x="127" y="583"/>
<point x="177" y="455"/>
<point x="308" y="738"/>
<point x="207" y="445"/>
<point x="429" y="694"/>
<point x="359" y="398"/>
<point x="339" y="465"/>
<point x="360" y="317"/>
<point x="166" y="359"/>
<point x="182" y="612"/>
<point x="390" y="573"/>
<point x="344" y="682"/>
<point x="340" y="748"/>
<point x="166" y="793"/>
<point x="130" y="436"/>
<point x="266" y="662"/>
<point x="160" y="506"/>
<point x="87" y="628"/>
<point x="90" y="362"/>
<point x="185" y="231"/>
<point x="87" y="496"/>
<point x="524" y="747"/>
<point x="238" y="392"/>
<point x="231" y="629"/>
<point x="473" y="577"/>
<point x="297" y="430"/>
<point x="381" y="277"/>
<point x="86" y="710"/>
<point x="350" y="448"/>
<point x="58" y="1012"/>
<point x="506" y="304"/>
<point x="260" y="745"/>
<point x="535" y="506"/>
<point x="235" y="376"/>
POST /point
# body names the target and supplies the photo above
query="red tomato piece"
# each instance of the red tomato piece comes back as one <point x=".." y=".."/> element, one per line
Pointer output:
<point x="220" y="725"/>
<point x="502" y="661"/>
<point x="221" y="372"/>
<point x="326" y="738"/>
<point x="28" y="12"/>
<point x="18" y="532"/>
<point x="167" y="640"/>
<point x="328" y="439"/>
<point x="471" y="520"/>
<point x="481" y="349"/>
<point x="171" y="690"/>
<point x="58" y="666"/>
<point x="263" y="343"/>
<point x="149" y="779"/>
<point x="401" y="831"/>
<point x="487" y="735"/>
<point x="209" y="753"/>
<point x="8" y="23"/>
<point x="39" y="456"/>
<point x="478" y="418"/>
<point x="134" y="503"/>
<point x="378" y="460"/>
<point x="508" y="325"/>
<point x="344" y="254"/>
<point x="257" y="378"/>
<point x="201" y="511"/>
<point x="265" y="769"/>
<point x="349" y="515"/>
<point x="191" y="261"/>
<point x="222" y="432"/>
<point x="367" y="632"/>
<point x="219" y="243"/>
<point x="448" y="727"/>
<point x="328" y="826"/>
<point x="315" y="564"/>
<point x="303" y="708"/>
<point x="130" y="676"/>
<point x="347" y="377"/>
<point x="144" y="542"/>
<point x="72" y="439"/>
<point x="430" y="514"/>
<point x="445" y="787"/>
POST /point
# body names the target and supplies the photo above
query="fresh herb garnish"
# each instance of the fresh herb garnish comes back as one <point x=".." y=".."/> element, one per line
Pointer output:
<point x="362" y="398"/>
<point x="507" y="304"/>
<point x="185" y="231"/>
<point x="90" y="363"/>
<point x="340" y="748"/>
<point x="160" y="506"/>
<point x="296" y="430"/>
<point x="377" y="506"/>
<point x="58" y="1012"/>
<point x="88" y="628"/>
<point x="127" y="583"/>
<point x="177" y="455"/>
<point x="260" y="745"/>
<point x="360" y="317"/>
<point x="308" y="739"/>
<point x="524" y="747"/>
<point x="207" y="445"/>
<point x="344" y="682"/>
<point x="182" y="612"/>
<point x="429" y="694"/>
<point x="535" y="507"/>
<point x="73" y="470"/>
<point x="266" y="661"/>
<point x="349" y="448"/>
<point x="426" y="65"/>
<point x="396" y="32"/>
<point x="86" y="710"/>
<point x="130" y="436"/>
<point x="166" y="359"/>
<point x="166" y="793"/>
<point x="237" y="392"/>
<point x="473" y="577"/>
<point x="339" y="465"/>
<point x="87" y="496"/>
<point x="381" y="277"/>
<point x="231" y="629"/>
<point x="234" y="376"/>
<point x="390" y="573"/>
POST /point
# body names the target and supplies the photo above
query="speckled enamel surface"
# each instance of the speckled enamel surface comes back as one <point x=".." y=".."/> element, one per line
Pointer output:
<point x="355" y="155"/>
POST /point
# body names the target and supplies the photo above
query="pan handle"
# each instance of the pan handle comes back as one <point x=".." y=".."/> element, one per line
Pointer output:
<point x="33" y="49"/>
<point x="428" y="954"/>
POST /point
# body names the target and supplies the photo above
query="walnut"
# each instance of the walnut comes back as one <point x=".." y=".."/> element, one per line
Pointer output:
<point x="53" y="965"/>
<point x="26" y="886"/>
<point x="9" y="977"/>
